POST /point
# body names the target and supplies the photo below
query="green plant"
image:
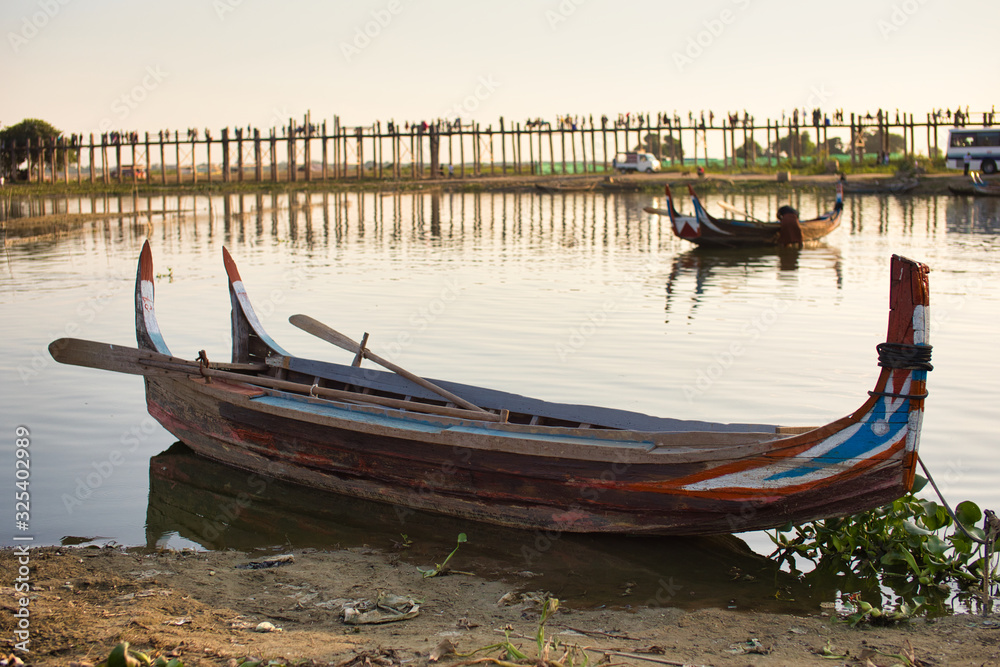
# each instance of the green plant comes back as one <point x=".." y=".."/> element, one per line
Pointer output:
<point x="511" y="655"/>
<point x="904" y="546"/>
<point x="123" y="656"/>
<point x="441" y="568"/>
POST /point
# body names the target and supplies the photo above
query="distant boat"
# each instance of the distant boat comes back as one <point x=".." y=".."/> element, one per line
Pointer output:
<point x="503" y="458"/>
<point x="706" y="230"/>
<point x="875" y="187"/>
<point x="565" y="187"/>
<point x="618" y="185"/>
<point x="980" y="188"/>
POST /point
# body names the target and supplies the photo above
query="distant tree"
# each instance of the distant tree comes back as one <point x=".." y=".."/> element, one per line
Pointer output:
<point x="755" y="150"/>
<point x="660" y="146"/>
<point x="784" y="145"/>
<point x="873" y="145"/>
<point x="14" y="142"/>
<point x="834" y="146"/>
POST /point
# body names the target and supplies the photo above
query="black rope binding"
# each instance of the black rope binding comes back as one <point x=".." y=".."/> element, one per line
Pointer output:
<point x="904" y="356"/>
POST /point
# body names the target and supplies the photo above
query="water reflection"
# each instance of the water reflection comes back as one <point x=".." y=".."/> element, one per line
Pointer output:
<point x="563" y="219"/>
<point x="695" y="272"/>
<point x="218" y="507"/>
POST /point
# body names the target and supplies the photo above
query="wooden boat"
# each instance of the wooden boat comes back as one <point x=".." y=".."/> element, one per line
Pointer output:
<point x="981" y="188"/>
<point x="877" y="187"/>
<point x="518" y="461"/>
<point x="557" y="188"/>
<point x="706" y="230"/>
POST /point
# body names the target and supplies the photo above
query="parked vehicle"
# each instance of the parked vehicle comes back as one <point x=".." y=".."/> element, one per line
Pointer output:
<point x="636" y="161"/>
<point x="127" y="170"/>
<point x="981" y="144"/>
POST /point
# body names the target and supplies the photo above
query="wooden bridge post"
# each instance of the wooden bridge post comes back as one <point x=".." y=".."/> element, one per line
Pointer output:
<point x="435" y="145"/>
<point x="854" y="142"/>
<point x="307" y="147"/>
<point x="106" y="176"/>
<point x="503" y="149"/>
<point x="562" y="146"/>
<point x="572" y="144"/>
<point x="118" y="159"/>
<point x="177" y="152"/>
<point x="258" y="168"/>
<point x="148" y="164"/>
<point x="273" y="146"/>
<point x="552" y="153"/>
<point x="593" y="147"/>
<point x="208" y="155"/>
<point x="239" y="154"/>
<point x="725" y="142"/>
<point x="324" y="172"/>
<point x="604" y="142"/>
<point x="293" y="174"/>
<point x="361" y="152"/>
<point x="531" y="151"/>
<point x="90" y="164"/>
<point x="225" y="155"/>
<point x="194" y="157"/>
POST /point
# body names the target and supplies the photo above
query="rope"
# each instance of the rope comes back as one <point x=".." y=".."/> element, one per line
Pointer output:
<point x="894" y="395"/>
<point x="905" y="356"/>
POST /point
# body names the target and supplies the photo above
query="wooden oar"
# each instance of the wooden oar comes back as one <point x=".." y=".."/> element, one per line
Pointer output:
<point x="134" y="361"/>
<point x="733" y="209"/>
<point x="320" y="330"/>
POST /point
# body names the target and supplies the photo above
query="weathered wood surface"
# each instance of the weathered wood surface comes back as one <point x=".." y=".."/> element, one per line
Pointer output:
<point x="545" y="472"/>
<point x="704" y="229"/>
<point x="320" y="330"/>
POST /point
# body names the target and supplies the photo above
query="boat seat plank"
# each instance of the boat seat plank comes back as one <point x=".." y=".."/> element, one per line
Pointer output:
<point x="492" y="399"/>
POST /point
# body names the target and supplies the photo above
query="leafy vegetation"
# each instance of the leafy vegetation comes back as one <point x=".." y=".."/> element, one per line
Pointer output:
<point x="910" y="549"/>
<point x="38" y="132"/>
<point x="123" y="655"/>
<point x="442" y="568"/>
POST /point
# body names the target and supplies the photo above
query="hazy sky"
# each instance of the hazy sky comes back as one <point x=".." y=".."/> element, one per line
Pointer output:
<point x="87" y="65"/>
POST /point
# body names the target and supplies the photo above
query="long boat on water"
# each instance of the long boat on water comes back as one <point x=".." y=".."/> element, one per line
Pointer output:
<point x="503" y="458"/>
<point x="706" y="230"/>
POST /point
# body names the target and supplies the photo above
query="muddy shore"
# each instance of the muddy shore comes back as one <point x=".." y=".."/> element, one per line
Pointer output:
<point x="207" y="609"/>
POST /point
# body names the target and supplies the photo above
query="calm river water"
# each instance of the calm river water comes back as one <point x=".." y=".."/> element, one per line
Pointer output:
<point x="571" y="297"/>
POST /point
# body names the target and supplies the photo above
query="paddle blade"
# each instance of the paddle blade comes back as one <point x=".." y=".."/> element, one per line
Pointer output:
<point x="108" y="357"/>
<point x="320" y="330"/>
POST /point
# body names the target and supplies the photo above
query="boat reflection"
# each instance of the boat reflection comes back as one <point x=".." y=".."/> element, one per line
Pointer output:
<point x="730" y="268"/>
<point x="219" y="507"/>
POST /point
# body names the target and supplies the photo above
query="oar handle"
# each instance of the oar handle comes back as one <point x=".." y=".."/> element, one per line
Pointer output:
<point x="320" y="330"/>
<point x="730" y="207"/>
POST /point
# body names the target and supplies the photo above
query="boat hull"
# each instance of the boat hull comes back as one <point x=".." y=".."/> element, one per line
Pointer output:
<point x="522" y="462"/>
<point x="473" y="480"/>
<point x="707" y="231"/>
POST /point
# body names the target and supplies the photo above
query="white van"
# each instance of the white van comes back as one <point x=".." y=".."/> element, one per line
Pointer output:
<point x="634" y="161"/>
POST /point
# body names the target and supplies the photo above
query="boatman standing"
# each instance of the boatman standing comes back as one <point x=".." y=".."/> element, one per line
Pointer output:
<point x="789" y="233"/>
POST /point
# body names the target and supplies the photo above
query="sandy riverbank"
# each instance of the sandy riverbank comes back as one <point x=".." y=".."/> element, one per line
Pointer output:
<point x="205" y="608"/>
